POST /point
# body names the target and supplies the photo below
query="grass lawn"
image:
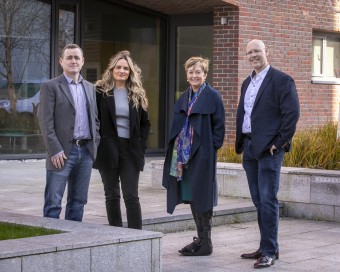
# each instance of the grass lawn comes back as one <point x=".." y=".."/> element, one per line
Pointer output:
<point x="14" y="231"/>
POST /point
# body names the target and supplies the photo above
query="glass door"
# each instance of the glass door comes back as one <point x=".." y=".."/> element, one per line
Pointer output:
<point x="190" y="35"/>
<point x="66" y="29"/>
<point x="109" y="28"/>
<point x="191" y="41"/>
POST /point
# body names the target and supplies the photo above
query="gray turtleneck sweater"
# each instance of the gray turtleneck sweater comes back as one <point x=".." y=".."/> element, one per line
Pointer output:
<point x="122" y="112"/>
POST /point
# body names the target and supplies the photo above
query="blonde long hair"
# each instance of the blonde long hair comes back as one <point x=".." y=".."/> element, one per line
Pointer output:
<point x="136" y="92"/>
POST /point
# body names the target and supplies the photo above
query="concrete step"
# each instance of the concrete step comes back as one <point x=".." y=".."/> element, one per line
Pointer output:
<point x="232" y="210"/>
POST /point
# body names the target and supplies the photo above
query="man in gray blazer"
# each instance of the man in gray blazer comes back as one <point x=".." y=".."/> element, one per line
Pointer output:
<point x="68" y="121"/>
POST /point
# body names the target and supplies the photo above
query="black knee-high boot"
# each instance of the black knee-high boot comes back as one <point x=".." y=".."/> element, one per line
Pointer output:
<point x="201" y="245"/>
<point x="194" y="215"/>
<point x="204" y="234"/>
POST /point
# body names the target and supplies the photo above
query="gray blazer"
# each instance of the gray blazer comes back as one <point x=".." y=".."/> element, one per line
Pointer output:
<point x="56" y="115"/>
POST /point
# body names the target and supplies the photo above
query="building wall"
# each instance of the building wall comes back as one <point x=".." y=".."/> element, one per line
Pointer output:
<point x="226" y="63"/>
<point x="286" y="27"/>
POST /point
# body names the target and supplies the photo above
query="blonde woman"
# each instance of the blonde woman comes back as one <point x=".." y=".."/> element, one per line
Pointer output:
<point x="124" y="128"/>
<point x="196" y="134"/>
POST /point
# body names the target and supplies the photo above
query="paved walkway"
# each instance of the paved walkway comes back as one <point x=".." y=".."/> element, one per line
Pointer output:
<point x="304" y="245"/>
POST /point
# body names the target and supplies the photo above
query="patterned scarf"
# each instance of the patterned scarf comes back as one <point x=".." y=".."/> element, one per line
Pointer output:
<point x="183" y="143"/>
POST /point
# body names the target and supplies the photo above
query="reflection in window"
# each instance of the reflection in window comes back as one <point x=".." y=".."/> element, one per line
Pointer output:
<point x="333" y="55"/>
<point x="326" y="57"/>
<point x="109" y="28"/>
<point x="66" y="27"/>
<point x="24" y="65"/>
<point x="317" y="56"/>
<point x="192" y="41"/>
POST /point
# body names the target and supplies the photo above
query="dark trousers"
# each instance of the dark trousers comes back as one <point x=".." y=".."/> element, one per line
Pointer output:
<point x="263" y="179"/>
<point x="127" y="174"/>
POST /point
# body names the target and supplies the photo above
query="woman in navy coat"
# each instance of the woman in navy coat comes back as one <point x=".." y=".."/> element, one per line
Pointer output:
<point x="124" y="128"/>
<point x="190" y="165"/>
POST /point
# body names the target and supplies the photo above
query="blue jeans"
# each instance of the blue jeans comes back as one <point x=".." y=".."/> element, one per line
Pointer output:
<point x="76" y="174"/>
<point x="263" y="179"/>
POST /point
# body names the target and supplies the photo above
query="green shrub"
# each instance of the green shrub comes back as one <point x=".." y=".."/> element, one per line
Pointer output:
<point x="227" y="154"/>
<point x="314" y="148"/>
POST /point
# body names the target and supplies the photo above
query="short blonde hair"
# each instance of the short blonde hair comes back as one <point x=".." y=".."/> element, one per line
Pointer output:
<point x="202" y="62"/>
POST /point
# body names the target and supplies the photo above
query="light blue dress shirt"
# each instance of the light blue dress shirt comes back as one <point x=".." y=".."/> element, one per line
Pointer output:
<point x="250" y="96"/>
<point x="81" y="126"/>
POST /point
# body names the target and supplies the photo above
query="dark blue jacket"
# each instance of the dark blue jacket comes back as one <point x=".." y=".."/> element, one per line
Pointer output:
<point x="207" y="118"/>
<point x="274" y="116"/>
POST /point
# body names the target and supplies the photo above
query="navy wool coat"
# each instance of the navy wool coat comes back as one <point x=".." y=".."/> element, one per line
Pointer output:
<point x="207" y="118"/>
<point x="107" y="156"/>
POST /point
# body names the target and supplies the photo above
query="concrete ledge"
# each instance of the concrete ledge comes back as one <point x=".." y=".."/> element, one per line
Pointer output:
<point x="230" y="210"/>
<point x="184" y="221"/>
<point x="305" y="193"/>
<point x="83" y="247"/>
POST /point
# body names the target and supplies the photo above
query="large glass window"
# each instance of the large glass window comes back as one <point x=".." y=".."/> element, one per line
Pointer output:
<point x="190" y="35"/>
<point x="326" y="58"/>
<point x="66" y="27"/>
<point x="25" y="27"/>
<point x="110" y="28"/>
<point x="192" y="41"/>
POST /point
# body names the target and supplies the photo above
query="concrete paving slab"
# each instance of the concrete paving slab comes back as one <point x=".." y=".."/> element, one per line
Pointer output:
<point x="312" y="246"/>
<point x="294" y="256"/>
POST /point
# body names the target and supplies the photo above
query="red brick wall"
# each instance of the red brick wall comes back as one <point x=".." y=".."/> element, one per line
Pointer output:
<point x="226" y="63"/>
<point x="286" y="27"/>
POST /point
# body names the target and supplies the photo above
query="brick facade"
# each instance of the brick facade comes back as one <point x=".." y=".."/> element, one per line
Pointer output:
<point x="286" y="27"/>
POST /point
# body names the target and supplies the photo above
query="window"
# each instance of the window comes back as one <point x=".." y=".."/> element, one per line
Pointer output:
<point x="326" y="58"/>
<point x="192" y="41"/>
<point x="66" y="28"/>
<point x="24" y="64"/>
<point x="109" y="28"/>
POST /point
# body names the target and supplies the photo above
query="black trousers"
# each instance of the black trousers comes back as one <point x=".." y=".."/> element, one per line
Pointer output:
<point x="127" y="174"/>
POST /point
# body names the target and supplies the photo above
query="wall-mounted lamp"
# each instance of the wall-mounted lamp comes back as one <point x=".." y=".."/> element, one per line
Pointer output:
<point x="224" y="20"/>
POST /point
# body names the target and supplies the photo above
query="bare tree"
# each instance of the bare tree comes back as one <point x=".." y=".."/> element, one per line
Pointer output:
<point x="22" y="38"/>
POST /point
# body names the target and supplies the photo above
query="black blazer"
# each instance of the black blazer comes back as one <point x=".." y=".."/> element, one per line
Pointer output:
<point x="274" y="116"/>
<point x="107" y="155"/>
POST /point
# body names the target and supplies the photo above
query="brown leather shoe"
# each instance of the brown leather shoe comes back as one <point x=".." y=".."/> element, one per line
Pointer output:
<point x="264" y="261"/>
<point x="256" y="255"/>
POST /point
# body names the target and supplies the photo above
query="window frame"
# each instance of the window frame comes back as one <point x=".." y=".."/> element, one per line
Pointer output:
<point x="322" y="78"/>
